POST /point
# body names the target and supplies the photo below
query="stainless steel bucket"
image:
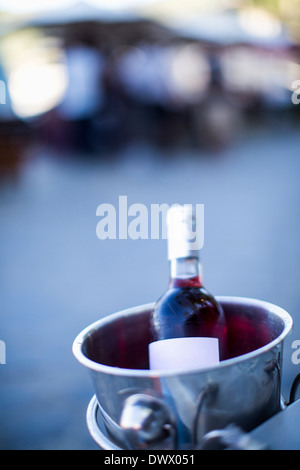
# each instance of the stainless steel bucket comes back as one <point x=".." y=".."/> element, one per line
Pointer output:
<point x="146" y="409"/>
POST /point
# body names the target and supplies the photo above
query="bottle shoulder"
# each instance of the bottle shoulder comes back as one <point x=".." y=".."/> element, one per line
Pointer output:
<point x="193" y="292"/>
<point x="189" y="300"/>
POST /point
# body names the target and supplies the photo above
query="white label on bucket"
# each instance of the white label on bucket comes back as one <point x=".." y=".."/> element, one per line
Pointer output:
<point x="184" y="353"/>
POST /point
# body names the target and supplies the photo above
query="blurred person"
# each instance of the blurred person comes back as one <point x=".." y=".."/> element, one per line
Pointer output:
<point x="84" y="96"/>
<point x="14" y="134"/>
<point x="216" y="120"/>
<point x="145" y="75"/>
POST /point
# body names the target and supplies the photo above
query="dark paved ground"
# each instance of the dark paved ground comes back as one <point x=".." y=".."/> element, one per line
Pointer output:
<point x="57" y="277"/>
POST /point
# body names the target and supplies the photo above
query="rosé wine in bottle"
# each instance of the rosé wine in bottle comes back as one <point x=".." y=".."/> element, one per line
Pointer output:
<point x="188" y="325"/>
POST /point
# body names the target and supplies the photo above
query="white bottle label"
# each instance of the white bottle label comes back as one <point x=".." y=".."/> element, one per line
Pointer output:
<point x="184" y="353"/>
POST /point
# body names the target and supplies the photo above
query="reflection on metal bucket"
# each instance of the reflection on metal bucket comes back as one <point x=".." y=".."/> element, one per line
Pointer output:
<point x="182" y="407"/>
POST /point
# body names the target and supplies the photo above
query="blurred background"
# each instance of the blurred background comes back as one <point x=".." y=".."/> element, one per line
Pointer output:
<point x="162" y="101"/>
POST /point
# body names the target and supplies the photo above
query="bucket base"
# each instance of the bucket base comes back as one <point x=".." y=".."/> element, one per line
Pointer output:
<point x="96" y="427"/>
<point x="98" y="432"/>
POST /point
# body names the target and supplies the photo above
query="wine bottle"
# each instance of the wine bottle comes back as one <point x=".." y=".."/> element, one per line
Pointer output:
<point x="188" y="325"/>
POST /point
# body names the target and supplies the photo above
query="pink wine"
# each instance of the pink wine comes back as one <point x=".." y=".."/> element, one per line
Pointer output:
<point x="188" y="325"/>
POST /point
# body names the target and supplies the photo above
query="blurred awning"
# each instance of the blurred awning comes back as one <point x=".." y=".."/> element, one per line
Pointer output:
<point x="250" y="27"/>
<point x="119" y="26"/>
<point x="80" y="12"/>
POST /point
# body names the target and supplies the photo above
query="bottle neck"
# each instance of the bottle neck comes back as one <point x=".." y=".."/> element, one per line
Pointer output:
<point x="185" y="272"/>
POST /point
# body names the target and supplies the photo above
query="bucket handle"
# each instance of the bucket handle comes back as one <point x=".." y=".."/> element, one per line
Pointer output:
<point x="148" y="423"/>
<point x="294" y="389"/>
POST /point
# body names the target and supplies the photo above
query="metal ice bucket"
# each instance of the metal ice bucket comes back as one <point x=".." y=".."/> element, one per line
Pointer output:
<point x="147" y="409"/>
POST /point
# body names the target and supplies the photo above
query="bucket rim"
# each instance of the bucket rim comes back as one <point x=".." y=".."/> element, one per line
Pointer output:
<point x="147" y="373"/>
